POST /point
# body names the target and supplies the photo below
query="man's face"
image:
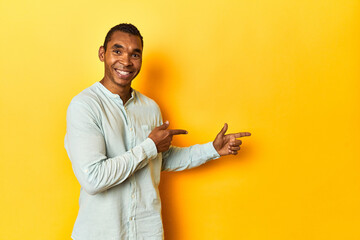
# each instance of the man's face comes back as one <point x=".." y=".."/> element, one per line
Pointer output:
<point x="122" y="59"/>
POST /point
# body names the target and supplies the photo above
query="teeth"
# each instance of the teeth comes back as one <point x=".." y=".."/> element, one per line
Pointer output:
<point x="123" y="72"/>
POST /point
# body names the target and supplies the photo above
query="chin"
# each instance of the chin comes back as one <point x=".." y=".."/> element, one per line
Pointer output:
<point x="122" y="83"/>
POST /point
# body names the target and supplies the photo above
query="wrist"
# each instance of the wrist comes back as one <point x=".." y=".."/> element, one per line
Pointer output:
<point x="215" y="147"/>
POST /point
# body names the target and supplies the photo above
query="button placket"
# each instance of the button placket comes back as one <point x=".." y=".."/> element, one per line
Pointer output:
<point x="133" y="200"/>
<point x="131" y="128"/>
<point x="132" y="218"/>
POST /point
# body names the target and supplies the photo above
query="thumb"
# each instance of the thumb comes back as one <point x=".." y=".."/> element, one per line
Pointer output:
<point x="223" y="130"/>
<point x="164" y="126"/>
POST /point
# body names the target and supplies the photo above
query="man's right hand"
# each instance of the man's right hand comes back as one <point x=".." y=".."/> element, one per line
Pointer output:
<point x="162" y="136"/>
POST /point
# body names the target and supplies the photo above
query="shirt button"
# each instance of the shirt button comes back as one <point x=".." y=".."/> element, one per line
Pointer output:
<point x="131" y="218"/>
<point x="131" y="129"/>
<point x="133" y="196"/>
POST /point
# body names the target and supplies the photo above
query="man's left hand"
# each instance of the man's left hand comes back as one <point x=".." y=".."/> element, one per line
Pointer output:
<point x="228" y="144"/>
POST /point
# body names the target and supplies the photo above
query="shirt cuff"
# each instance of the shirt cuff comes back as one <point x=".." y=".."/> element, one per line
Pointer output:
<point x="211" y="151"/>
<point x="149" y="148"/>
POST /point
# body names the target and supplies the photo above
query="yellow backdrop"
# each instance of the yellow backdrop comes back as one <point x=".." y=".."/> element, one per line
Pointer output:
<point x="287" y="71"/>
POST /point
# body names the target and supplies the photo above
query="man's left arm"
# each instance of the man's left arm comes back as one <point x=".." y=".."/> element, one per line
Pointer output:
<point x="177" y="159"/>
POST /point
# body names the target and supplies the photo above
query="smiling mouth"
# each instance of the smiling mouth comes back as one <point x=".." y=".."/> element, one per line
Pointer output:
<point x="123" y="73"/>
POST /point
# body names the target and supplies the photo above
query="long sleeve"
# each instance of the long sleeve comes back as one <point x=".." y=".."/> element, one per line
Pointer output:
<point x="86" y="148"/>
<point x="177" y="159"/>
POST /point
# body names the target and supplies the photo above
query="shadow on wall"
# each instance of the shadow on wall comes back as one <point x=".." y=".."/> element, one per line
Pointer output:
<point x="158" y="77"/>
<point x="159" y="81"/>
<point x="157" y="74"/>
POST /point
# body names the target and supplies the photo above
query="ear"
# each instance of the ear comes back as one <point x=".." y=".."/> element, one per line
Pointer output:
<point x="101" y="53"/>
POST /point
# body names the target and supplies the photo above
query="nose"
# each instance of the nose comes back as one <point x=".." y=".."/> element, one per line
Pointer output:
<point x="125" y="60"/>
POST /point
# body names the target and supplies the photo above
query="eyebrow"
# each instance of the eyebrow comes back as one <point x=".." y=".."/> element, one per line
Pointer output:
<point x="116" y="46"/>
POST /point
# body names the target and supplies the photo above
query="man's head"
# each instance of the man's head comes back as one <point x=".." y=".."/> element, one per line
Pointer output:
<point x="122" y="56"/>
<point x="123" y="27"/>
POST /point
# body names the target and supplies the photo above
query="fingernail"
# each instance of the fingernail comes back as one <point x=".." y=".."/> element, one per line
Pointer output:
<point x="167" y="122"/>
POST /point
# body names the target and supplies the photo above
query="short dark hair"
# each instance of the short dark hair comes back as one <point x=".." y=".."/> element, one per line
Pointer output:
<point x="123" y="27"/>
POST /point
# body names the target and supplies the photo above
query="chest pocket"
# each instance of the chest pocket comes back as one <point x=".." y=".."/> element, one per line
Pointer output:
<point x="146" y="130"/>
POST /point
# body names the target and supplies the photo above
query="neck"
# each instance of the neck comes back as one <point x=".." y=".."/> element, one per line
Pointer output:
<point x="123" y="91"/>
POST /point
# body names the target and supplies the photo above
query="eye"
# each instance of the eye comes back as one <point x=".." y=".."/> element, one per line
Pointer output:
<point x="117" y="51"/>
<point x="135" y="55"/>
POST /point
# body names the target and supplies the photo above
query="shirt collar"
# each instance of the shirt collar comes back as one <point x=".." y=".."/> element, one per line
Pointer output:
<point x="113" y="95"/>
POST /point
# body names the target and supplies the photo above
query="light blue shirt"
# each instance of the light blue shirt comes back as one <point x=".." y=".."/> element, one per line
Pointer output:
<point x="118" y="166"/>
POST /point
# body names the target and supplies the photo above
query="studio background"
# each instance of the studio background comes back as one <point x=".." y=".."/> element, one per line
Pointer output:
<point x="286" y="71"/>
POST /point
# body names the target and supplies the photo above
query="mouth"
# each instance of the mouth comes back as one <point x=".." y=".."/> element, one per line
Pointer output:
<point x="123" y="73"/>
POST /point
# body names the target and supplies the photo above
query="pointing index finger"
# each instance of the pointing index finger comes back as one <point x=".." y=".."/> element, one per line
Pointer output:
<point x="242" y="134"/>
<point x="177" y="131"/>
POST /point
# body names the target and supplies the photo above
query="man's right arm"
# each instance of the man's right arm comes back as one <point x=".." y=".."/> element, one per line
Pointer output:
<point x="86" y="148"/>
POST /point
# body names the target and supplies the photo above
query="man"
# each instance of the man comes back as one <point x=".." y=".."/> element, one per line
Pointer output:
<point x="118" y="146"/>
